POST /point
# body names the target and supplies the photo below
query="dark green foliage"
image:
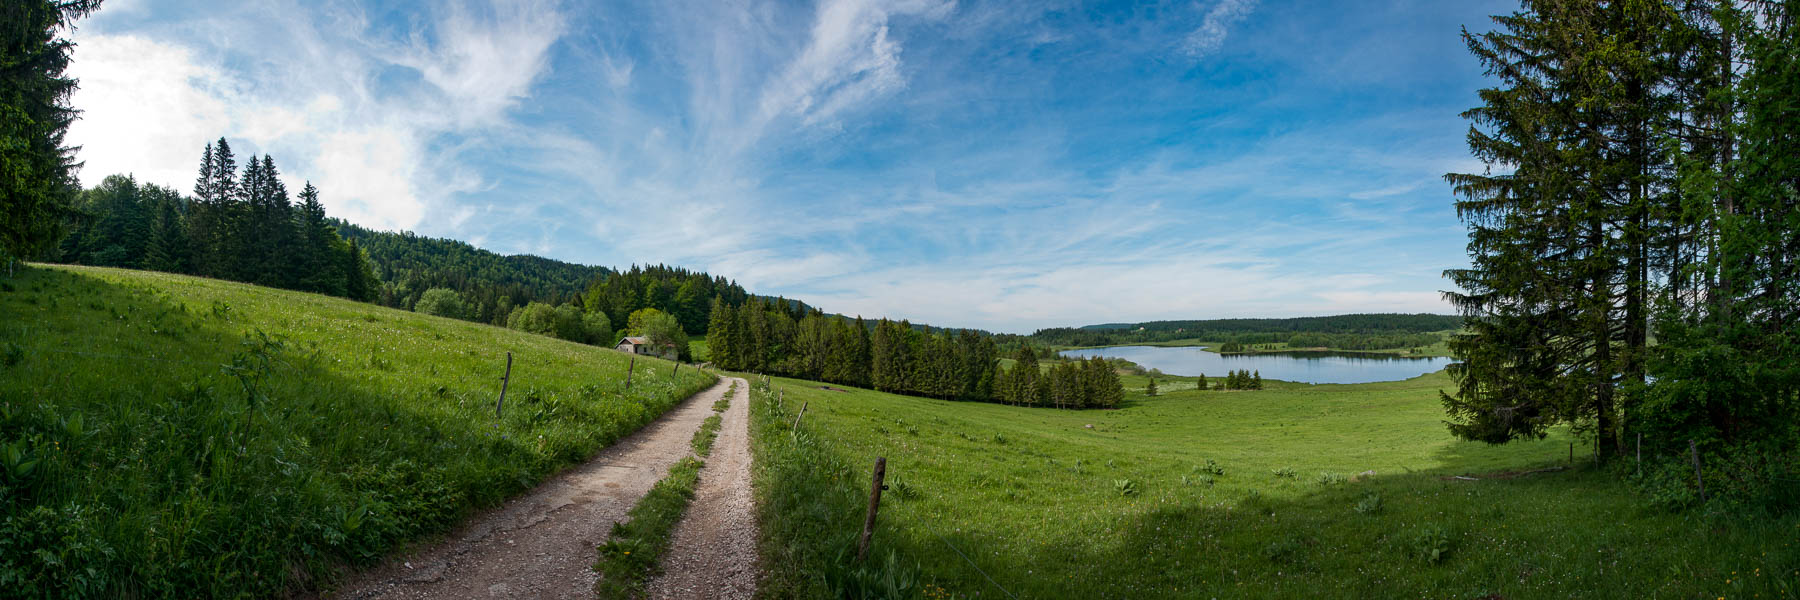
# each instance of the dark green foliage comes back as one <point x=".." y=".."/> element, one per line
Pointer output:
<point x="1150" y="389"/>
<point x="1649" y="183"/>
<point x="492" y="285"/>
<point x="37" y="180"/>
<point x="764" y="337"/>
<point x="686" y="295"/>
<point x="236" y="229"/>
<point x="628" y="558"/>
<point x="1351" y="332"/>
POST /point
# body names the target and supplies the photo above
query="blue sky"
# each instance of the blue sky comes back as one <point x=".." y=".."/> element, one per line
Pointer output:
<point x="1004" y="165"/>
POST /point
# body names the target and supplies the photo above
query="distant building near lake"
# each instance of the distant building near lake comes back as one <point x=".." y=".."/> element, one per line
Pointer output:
<point x="633" y="344"/>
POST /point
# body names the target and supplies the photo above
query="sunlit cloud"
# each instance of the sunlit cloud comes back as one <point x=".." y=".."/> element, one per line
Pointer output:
<point x="987" y="163"/>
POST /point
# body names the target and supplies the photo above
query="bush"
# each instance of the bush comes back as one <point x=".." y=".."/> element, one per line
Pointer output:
<point x="443" y="302"/>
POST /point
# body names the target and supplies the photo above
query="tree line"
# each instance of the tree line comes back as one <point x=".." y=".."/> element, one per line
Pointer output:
<point x="490" y="285"/>
<point x="1353" y="331"/>
<point x="238" y="225"/>
<point x="766" y="337"/>
<point x="1644" y="185"/>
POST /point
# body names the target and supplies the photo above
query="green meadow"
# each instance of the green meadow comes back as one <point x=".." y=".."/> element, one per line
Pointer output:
<point x="1295" y="491"/>
<point x="164" y="435"/>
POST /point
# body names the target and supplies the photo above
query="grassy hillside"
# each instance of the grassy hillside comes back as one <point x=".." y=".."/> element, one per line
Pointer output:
<point x="1222" y="494"/>
<point x="166" y="435"/>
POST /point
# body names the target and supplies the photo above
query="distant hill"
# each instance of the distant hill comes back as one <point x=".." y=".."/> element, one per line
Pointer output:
<point x="1371" y="330"/>
<point x="492" y="283"/>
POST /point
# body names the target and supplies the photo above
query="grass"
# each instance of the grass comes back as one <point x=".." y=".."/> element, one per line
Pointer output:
<point x="1293" y="491"/>
<point x="704" y="436"/>
<point x="709" y="429"/>
<point x="190" y="437"/>
<point x="628" y="558"/>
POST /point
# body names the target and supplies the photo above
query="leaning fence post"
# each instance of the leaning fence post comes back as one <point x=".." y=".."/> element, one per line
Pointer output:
<point x="862" y="545"/>
<point x="504" y="379"/>
<point x="675" y="372"/>
<point x="1694" y="455"/>
<point x="628" y="369"/>
<point x="797" y="418"/>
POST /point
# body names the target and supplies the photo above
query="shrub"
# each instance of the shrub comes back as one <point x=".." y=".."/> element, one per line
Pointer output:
<point x="443" y="302"/>
<point x="1432" y="544"/>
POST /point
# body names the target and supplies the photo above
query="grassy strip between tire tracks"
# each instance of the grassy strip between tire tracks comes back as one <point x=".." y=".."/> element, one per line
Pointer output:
<point x="629" y="558"/>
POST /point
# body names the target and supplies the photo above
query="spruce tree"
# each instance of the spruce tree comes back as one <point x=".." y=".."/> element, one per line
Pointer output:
<point x="38" y="171"/>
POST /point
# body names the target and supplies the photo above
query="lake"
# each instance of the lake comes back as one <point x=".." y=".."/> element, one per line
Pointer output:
<point x="1303" y="367"/>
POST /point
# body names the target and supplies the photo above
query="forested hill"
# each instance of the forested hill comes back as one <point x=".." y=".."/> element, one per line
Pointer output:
<point x="1374" y="330"/>
<point x="491" y="284"/>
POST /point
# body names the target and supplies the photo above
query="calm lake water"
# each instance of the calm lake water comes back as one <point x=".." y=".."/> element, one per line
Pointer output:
<point x="1304" y="367"/>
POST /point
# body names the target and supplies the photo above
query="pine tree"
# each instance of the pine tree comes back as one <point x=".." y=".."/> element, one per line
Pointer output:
<point x="36" y="168"/>
<point x="1556" y="299"/>
<point x="167" y="249"/>
<point x="1150" y="390"/>
<point x="1256" y="380"/>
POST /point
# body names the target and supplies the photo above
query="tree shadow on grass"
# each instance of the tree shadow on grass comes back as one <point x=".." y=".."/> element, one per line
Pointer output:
<point x="183" y="451"/>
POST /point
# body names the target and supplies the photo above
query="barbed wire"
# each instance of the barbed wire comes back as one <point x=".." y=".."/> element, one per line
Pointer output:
<point x="965" y="558"/>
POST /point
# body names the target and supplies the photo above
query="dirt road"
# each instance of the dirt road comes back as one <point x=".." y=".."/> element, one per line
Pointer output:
<point x="542" y="544"/>
<point x="713" y="554"/>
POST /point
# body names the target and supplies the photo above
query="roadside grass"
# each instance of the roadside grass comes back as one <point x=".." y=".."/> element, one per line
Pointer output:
<point x="629" y="557"/>
<point x="189" y="437"/>
<point x="1222" y="494"/>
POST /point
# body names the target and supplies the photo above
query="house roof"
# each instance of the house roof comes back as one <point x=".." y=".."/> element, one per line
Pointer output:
<point x="634" y="340"/>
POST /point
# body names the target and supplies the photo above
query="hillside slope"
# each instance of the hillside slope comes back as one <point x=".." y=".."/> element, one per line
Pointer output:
<point x="164" y="435"/>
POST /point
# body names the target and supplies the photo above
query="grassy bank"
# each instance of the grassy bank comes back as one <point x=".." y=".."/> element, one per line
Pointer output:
<point x="190" y="437"/>
<point x="1225" y="494"/>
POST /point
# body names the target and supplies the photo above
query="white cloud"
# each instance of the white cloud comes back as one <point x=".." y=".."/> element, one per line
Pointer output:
<point x="147" y="109"/>
<point x="312" y="96"/>
<point x="1214" y="27"/>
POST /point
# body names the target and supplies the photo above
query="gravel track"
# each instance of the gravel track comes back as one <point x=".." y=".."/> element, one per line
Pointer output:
<point x="542" y="544"/>
<point x="713" y="554"/>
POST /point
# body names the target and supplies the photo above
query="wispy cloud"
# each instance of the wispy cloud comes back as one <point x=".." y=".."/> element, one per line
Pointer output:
<point x="1210" y="36"/>
<point x="363" y="116"/>
<point x="1004" y="164"/>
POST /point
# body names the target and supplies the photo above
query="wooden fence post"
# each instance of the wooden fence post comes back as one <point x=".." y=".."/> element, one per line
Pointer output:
<point x="862" y="545"/>
<point x="628" y="369"/>
<point x="797" y="418"/>
<point x="504" y="379"/>
<point x="1694" y="455"/>
<point x="675" y="372"/>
